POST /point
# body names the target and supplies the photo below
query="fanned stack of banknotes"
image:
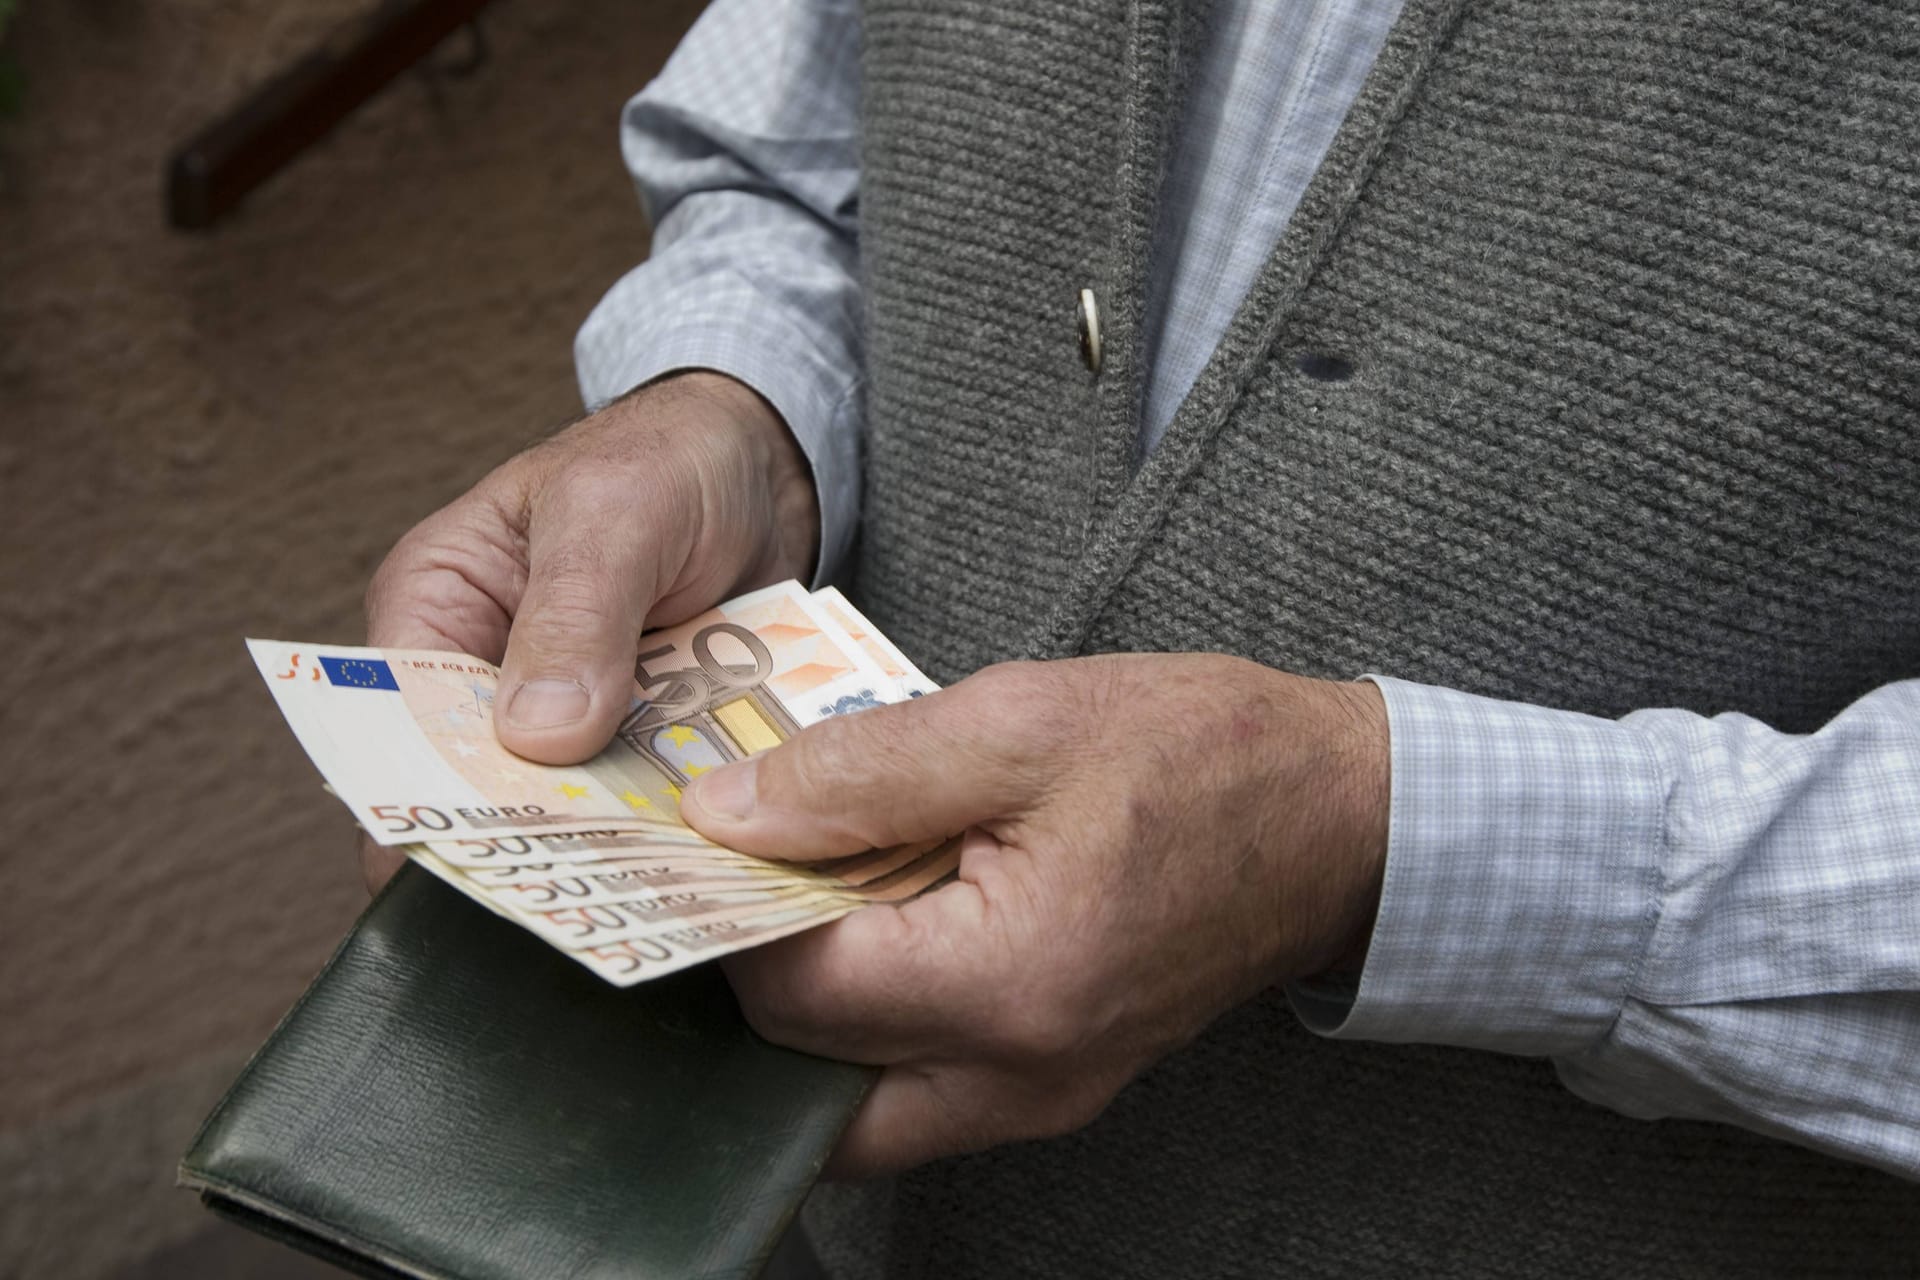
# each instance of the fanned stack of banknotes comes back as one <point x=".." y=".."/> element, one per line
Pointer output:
<point x="593" y="857"/>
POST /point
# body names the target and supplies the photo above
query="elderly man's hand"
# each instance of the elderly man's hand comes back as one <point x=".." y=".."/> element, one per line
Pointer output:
<point x="664" y="503"/>
<point x="1149" y="841"/>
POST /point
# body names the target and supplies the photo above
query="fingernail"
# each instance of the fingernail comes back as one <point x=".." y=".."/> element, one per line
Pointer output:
<point x="728" y="792"/>
<point x="547" y="704"/>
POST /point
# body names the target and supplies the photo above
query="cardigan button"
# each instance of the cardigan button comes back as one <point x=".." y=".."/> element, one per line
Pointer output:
<point x="1090" y="331"/>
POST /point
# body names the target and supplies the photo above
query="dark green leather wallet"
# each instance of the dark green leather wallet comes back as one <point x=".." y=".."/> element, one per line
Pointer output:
<point x="453" y="1098"/>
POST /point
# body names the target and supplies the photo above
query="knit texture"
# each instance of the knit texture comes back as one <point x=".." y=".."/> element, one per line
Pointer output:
<point x="1629" y="296"/>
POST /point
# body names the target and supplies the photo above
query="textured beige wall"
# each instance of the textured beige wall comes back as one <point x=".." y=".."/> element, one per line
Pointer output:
<point x="205" y="437"/>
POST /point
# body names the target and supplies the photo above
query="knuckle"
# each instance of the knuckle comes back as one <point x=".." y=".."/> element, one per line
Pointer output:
<point x="400" y="561"/>
<point x="607" y="464"/>
<point x="570" y="592"/>
<point x="561" y="638"/>
<point x="787" y="998"/>
<point x="1037" y="1027"/>
<point x="1067" y="1109"/>
<point x="466" y="538"/>
<point x="829" y="769"/>
<point x="1018" y="1107"/>
<point x="1025" y="697"/>
<point x="796" y="774"/>
<point x="770" y="1019"/>
<point x="601" y="531"/>
<point x="564" y="606"/>
<point x="763" y="999"/>
<point x="574" y="560"/>
<point x="587" y="488"/>
<point x="1005" y="684"/>
<point x="833" y="748"/>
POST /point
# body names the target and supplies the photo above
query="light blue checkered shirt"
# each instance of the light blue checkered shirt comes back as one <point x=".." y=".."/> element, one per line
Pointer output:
<point x="1690" y="916"/>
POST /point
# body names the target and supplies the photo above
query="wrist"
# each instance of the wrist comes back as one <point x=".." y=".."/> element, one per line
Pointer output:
<point x="1364" y="787"/>
<point x="793" y="498"/>
<point x="753" y="454"/>
<point x="1327" y="776"/>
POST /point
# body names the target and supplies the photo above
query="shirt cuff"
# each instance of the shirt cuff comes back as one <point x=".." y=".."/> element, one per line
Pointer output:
<point x="1522" y="879"/>
<point x="627" y="342"/>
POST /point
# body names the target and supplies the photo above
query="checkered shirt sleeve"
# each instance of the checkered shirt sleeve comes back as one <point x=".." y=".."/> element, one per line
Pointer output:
<point x="1691" y="916"/>
<point x="745" y="151"/>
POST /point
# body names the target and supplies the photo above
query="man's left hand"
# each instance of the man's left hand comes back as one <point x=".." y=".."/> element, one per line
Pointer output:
<point x="1150" y="840"/>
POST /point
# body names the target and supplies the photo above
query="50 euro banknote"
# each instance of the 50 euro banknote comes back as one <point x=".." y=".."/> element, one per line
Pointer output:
<point x="405" y="738"/>
<point x="593" y="859"/>
<point x="635" y="858"/>
<point x="632" y="918"/>
<point x="680" y="934"/>
<point x="908" y="680"/>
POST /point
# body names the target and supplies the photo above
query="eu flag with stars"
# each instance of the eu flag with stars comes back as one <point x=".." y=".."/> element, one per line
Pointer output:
<point x="359" y="673"/>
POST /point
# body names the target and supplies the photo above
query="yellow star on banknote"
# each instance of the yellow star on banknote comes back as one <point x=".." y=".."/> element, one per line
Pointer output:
<point x="673" y="791"/>
<point x="695" y="770"/>
<point x="679" y="735"/>
<point x="572" y="792"/>
<point x="636" y="801"/>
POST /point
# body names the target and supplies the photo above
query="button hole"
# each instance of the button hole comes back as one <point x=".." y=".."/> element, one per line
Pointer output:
<point x="1323" y="368"/>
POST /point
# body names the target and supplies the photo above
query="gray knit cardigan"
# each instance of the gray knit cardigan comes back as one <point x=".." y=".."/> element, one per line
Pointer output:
<point x="1626" y="297"/>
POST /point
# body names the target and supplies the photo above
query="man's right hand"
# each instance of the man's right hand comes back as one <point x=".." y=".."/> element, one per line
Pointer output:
<point x="680" y="495"/>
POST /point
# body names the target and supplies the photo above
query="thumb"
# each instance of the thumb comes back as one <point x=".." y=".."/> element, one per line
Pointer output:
<point x="567" y="678"/>
<point x="916" y="770"/>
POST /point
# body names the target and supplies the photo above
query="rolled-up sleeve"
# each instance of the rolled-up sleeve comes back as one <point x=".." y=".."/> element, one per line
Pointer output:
<point x="745" y="151"/>
<point x="1691" y="916"/>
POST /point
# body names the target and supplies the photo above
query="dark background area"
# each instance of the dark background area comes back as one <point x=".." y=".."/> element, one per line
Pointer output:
<point x="213" y="435"/>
